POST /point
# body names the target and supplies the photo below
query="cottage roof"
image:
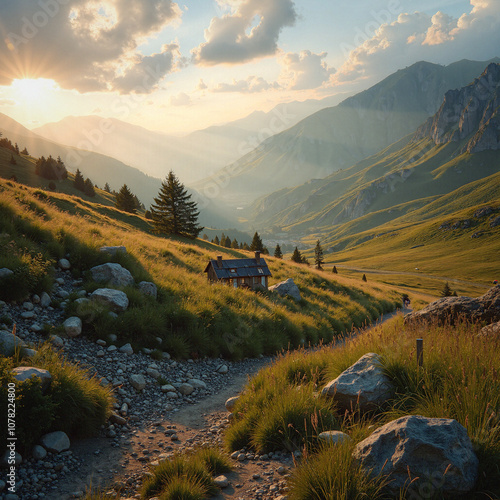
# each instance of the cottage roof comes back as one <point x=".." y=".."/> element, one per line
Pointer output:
<point x="238" y="268"/>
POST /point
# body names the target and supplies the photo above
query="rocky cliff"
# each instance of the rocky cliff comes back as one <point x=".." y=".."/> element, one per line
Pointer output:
<point x="470" y="114"/>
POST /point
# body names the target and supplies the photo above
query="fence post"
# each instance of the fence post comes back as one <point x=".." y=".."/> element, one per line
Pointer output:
<point x="420" y="352"/>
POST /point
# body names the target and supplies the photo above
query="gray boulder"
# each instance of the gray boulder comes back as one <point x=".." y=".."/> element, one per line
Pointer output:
<point x="491" y="331"/>
<point x="481" y="309"/>
<point x="39" y="452"/>
<point x="230" y="403"/>
<point x="22" y="373"/>
<point x="436" y="452"/>
<point x="363" y="384"/>
<point x="334" y="437"/>
<point x="9" y="343"/>
<point x="45" y="300"/>
<point x="127" y="349"/>
<point x="112" y="274"/>
<point x="138" y="382"/>
<point x="64" y="264"/>
<point x="197" y="383"/>
<point x="113" y="250"/>
<point x="56" y="442"/>
<point x="73" y="326"/>
<point x="5" y="272"/>
<point x="148" y="288"/>
<point x="185" y="389"/>
<point x="287" y="287"/>
<point x="116" y="300"/>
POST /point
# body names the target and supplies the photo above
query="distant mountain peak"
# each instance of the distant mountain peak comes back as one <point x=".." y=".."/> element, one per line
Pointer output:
<point x="471" y="112"/>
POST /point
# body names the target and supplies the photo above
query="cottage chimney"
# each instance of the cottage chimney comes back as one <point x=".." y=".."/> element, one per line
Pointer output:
<point x="219" y="261"/>
<point x="257" y="257"/>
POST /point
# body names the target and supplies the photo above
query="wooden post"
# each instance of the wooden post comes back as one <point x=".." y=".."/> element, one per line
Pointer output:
<point x="420" y="352"/>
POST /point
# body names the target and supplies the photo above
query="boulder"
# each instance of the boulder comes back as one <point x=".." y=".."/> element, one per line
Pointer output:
<point x="222" y="369"/>
<point x="334" y="437"/>
<point x="230" y="403"/>
<point x="39" y="452"/>
<point x="449" y="309"/>
<point x="116" y="300"/>
<point x="112" y="274"/>
<point x="64" y="264"/>
<point x="436" y="452"/>
<point x="5" y="272"/>
<point x="197" y="384"/>
<point x="490" y="331"/>
<point x="113" y="250"/>
<point x="9" y="343"/>
<point x="138" y="382"/>
<point x="127" y="349"/>
<point x="221" y="481"/>
<point x="73" y="326"/>
<point x="45" y="300"/>
<point x="154" y="373"/>
<point x="148" y="288"/>
<point x="363" y="384"/>
<point x="56" y="442"/>
<point x="186" y="389"/>
<point x="287" y="287"/>
<point x="22" y="373"/>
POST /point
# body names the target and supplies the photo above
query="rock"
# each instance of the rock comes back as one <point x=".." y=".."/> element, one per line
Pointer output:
<point x="117" y="419"/>
<point x="5" y="272"/>
<point x="116" y="300"/>
<point x="39" y="452"/>
<point x="222" y="369"/>
<point x="22" y="373"/>
<point x="230" y="403"/>
<point x="167" y="388"/>
<point x="494" y="222"/>
<point x="287" y="287"/>
<point x="185" y="389"/>
<point x="73" y="326"/>
<point x="4" y="461"/>
<point x="483" y="212"/>
<point x="138" y="382"/>
<point x="45" y="300"/>
<point x="449" y="309"/>
<point x="28" y="306"/>
<point x="221" y="481"/>
<point x="112" y="274"/>
<point x="490" y="331"/>
<point x="55" y="442"/>
<point x="9" y="343"/>
<point x="334" y="437"/>
<point x="29" y="353"/>
<point x="148" y="288"/>
<point x="153" y="372"/>
<point x="113" y="250"/>
<point x="363" y="384"/>
<point x="56" y="341"/>
<point x="197" y="384"/>
<point x="126" y="349"/>
<point x="64" y="264"/>
<point x="436" y="452"/>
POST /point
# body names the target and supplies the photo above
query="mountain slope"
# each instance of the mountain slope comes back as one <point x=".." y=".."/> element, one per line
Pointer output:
<point x="417" y="167"/>
<point x="194" y="156"/>
<point x="337" y="137"/>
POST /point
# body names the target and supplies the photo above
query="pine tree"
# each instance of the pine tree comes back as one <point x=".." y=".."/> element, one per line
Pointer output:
<point x="246" y="246"/>
<point x="125" y="200"/>
<point x="334" y="270"/>
<point x="216" y="240"/>
<point x="364" y="278"/>
<point x="297" y="256"/>
<point x="88" y="188"/>
<point x="24" y="152"/>
<point x="257" y="245"/>
<point x="277" y="252"/>
<point x="446" y="292"/>
<point x="107" y="188"/>
<point x="318" y="256"/>
<point x="173" y="211"/>
<point x="205" y="236"/>
<point x="234" y="244"/>
<point x="79" y="181"/>
<point x="16" y="147"/>
<point x="227" y="242"/>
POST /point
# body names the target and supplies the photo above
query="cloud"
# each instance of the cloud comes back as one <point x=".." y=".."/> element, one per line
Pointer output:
<point x="181" y="99"/>
<point x="418" y="36"/>
<point x="250" y="85"/>
<point x="82" y="44"/>
<point x="201" y="85"/>
<point x="7" y="102"/>
<point x="305" y="70"/>
<point x="251" y="30"/>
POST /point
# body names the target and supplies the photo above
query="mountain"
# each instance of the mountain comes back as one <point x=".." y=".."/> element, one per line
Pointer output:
<point x="337" y="137"/>
<point x="192" y="157"/>
<point x="457" y="146"/>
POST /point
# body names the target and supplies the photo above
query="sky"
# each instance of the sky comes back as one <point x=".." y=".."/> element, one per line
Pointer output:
<point x="176" y="67"/>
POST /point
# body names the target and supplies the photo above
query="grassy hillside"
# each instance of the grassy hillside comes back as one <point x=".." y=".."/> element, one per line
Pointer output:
<point x="192" y="317"/>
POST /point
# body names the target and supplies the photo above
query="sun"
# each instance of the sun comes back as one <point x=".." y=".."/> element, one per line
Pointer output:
<point x="31" y="90"/>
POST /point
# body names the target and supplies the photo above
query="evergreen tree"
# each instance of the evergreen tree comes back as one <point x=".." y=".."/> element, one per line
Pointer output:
<point x="79" y="181"/>
<point x="234" y="244"/>
<point x="125" y="200"/>
<point x="297" y="256"/>
<point x="205" y="236"/>
<point x="334" y="270"/>
<point x="147" y="215"/>
<point x="227" y="242"/>
<point x="107" y="188"/>
<point x="318" y="256"/>
<point x="173" y="211"/>
<point x="446" y="292"/>
<point x="277" y="252"/>
<point x="246" y="246"/>
<point x="24" y="152"/>
<point x="257" y="245"/>
<point x="364" y="278"/>
<point x="216" y="240"/>
<point x="16" y="148"/>
<point x="88" y="188"/>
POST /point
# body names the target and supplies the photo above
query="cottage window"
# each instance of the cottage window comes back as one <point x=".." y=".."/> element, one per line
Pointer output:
<point x="235" y="283"/>
<point x="233" y="271"/>
<point x="261" y="271"/>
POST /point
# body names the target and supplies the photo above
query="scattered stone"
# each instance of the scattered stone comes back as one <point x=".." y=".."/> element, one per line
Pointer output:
<point x="334" y="437"/>
<point x="117" y="419"/>
<point x="490" y="331"/>
<point x="64" y="264"/>
<point x="45" y="300"/>
<point x="73" y="326"/>
<point x="113" y="250"/>
<point x="197" y="384"/>
<point x="112" y="274"/>
<point x="9" y="343"/>
<point x="287" y="287"/>
<point x="56" y="442"/>
<point x="230" y="403"/>
<point x="222" y="369"/>
<point x="28" y="306"/>
<point x="221" y="481"/>
<point x="362" y="386"/>
<point x="483" y="212"/>
<point x="126" y="349"/>
<point x="154" y="373"/>
<point x="186" y="389"/>
<point x="56" y="341"/>
<point x="22" y="373"/>
<point x="436" y="452"/>
<point x="4" y="461"/>
<point x="116" y="300"/>
<point x="148" y="288"/>
<point x="39" y="452"/>
<point x="138" y="382"/>
<point x="5" y="272"/>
